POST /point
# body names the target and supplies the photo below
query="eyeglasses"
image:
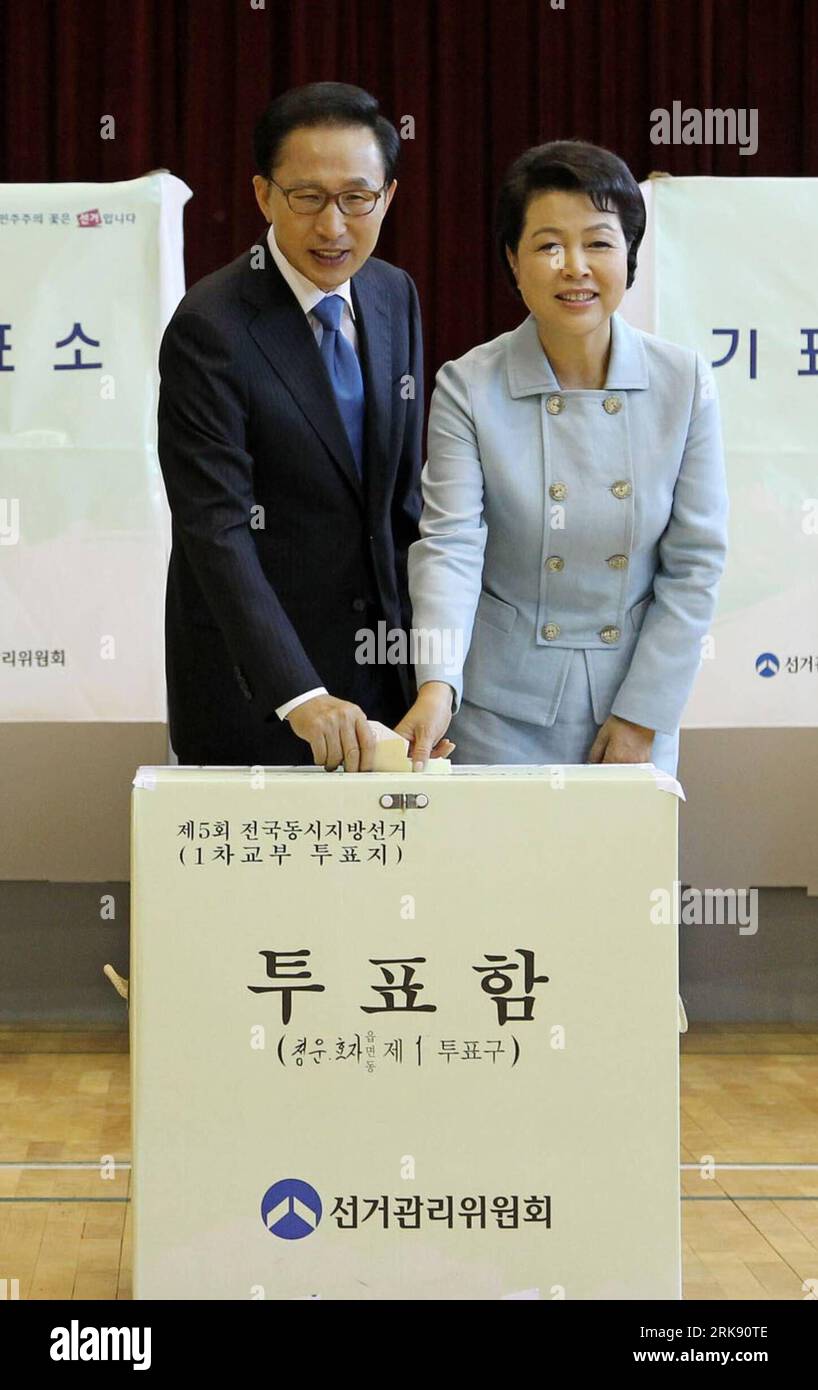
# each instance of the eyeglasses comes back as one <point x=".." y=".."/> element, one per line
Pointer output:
<point x="353" y="202"/>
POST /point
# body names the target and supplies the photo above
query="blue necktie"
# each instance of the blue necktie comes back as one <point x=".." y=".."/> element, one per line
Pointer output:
<point x="344" y="369"/>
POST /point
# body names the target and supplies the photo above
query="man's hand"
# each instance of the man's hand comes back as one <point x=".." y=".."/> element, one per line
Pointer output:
<point x="426" y="723"/>
<point x="337" y="732"/>
<point x="620" y="741"/>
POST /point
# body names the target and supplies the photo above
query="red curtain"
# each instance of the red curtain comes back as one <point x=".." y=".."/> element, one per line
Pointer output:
<point x="482" y="79"/>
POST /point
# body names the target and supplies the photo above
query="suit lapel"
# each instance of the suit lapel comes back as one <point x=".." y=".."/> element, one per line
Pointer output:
<point x="374" y="329"/>
<point x="282" y="332"/>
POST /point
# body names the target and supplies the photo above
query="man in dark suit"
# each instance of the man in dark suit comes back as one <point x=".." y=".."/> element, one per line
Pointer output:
<point x="290" y="418"/>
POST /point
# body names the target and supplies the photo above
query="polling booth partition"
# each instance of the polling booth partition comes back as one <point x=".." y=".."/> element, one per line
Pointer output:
<point x="94" y="271"/>
<point x="403" y="1036"/>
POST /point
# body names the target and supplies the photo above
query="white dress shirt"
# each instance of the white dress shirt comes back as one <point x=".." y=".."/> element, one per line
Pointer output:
<point x="308" y="295"/>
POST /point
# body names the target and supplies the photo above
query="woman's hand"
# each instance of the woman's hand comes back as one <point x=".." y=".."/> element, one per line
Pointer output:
<point x="426" y="723"/>
<point x="620" y="741"/>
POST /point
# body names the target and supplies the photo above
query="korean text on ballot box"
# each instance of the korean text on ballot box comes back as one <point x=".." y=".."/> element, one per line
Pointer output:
<point x="402" y="1036"/>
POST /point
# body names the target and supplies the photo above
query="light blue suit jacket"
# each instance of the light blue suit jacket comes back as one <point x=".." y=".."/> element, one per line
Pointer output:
<point x="561" y="520"/>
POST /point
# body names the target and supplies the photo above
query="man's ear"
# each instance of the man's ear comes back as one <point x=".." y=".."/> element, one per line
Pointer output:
<point x="261" y="188"/>
<point x="389" y="195"/>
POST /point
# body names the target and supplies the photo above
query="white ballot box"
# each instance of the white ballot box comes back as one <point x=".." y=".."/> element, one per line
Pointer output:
<point x="404" y="1036"/>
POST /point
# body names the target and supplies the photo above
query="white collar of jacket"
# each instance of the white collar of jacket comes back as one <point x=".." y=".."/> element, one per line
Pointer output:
<point x="530" y="372"/>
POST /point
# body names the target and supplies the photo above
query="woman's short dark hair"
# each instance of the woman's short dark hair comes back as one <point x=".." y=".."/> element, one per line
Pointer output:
<point x="571" y="166"/>
<point x="322" y="103"/>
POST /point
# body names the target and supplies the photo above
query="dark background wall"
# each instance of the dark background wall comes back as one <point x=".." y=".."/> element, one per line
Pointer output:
<point x="483" y="79"/>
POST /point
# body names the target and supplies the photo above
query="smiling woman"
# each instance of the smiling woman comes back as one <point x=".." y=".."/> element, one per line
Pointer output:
<point x="575" y="489"/>
<point x="570" y="219"/>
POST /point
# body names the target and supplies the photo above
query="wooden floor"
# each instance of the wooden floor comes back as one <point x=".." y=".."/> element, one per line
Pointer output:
<point x="749" y="1109"/>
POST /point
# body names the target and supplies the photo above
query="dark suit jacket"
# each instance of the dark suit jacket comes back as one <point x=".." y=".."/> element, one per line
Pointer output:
<point x="279" y="554"/>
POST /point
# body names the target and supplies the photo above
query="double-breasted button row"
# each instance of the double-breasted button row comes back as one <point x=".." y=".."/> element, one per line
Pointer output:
<point x="555" y="563"/>
<point x="551" y="632"/>
<point x="621" y="488"/>
<point x="555" y="405"/>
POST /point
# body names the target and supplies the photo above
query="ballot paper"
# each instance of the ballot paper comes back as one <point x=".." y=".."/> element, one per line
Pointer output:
<point x="391" y="749"/>
<point x="392" y="752"/>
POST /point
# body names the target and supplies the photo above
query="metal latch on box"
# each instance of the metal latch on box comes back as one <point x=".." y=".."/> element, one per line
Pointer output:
<point x="404" y="801"/>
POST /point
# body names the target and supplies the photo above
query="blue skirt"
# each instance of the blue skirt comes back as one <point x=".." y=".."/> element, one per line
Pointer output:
<point x="484" y="737"/>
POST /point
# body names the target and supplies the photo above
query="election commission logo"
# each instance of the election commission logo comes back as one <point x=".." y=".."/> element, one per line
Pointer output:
<point x="291" y="1209"/>
<point x="767" y="664"/>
